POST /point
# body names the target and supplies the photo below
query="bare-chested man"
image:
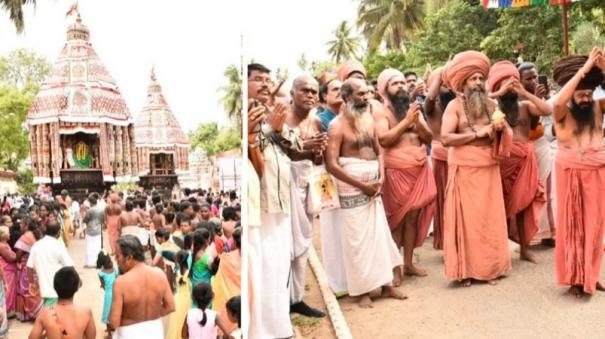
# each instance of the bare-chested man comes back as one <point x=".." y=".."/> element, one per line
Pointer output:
<point x="141" y="294"/>
<point x="307" y="128"/>
<point x="523" y="190"/>
<point x="542" y="135"/>
<point x="65" y="319"/>
<point x="354" y="158"/>
<point x="130" y="221"/>
<point x="409" y="190"/>
<point x="112" y="217"/>
<point x="475" y="235"/>
<point x="580" y="172"/>
<point x="437" y="99"/>
<point x="158" y="219"/>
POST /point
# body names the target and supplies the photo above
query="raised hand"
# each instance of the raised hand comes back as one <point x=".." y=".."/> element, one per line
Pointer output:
<point x="277" y="116"/>
<point x="413" y="113"/>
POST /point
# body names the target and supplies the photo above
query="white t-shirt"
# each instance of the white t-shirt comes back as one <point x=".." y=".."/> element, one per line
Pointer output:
<point x="47" y="256"/>
<point x="194" y="316"/>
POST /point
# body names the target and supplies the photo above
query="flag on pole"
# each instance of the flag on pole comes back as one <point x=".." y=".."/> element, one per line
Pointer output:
<point x="73" y="9"/>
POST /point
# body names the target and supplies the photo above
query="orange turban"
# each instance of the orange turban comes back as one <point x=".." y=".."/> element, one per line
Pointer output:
<point x="501" y="70"/>
<point x="383" y="81"/>
<point x="433" y="76"/>
<point x="462" y="66"/>
<point x="349" y="67"/>
<point x="326" y="77"/>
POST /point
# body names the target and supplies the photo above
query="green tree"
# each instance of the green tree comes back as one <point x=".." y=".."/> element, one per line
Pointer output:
<point x="377" y="62"/>
<point x="454" y="28"/>
<point x="232" y="94"/>
<point x="14" y="143"/>
<point x="24" y="70"/>
<point x="533" y="33"/>
<point x="15" y="11"/>
<point x="344" y="46"/>
<point x="303" y="63"/>
<point x="319" y="67"/>
<point x="25" y="182"/>
<point x="389" y="21"/>
<point x="214" y="140"/>
<point x="585" y="37"/>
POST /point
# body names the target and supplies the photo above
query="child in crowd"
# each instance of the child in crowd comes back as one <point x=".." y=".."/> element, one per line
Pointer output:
<point x="107" y="275"/>
<point x="234" y="313"/>
<point x="182" y="297"/>
<point x="202" y="322"/>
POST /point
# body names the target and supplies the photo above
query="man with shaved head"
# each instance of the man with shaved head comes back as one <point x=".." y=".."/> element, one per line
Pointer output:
<point x="354" y="157"/>
<point x="580" y="172"/>
<point x="409" y="191"/>
<point x="475" y="234"/>
<point x="307" y="129"/>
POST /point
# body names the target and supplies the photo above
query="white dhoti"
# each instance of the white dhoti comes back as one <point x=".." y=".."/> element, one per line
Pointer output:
<point x="140" y="232"/>
<point x="331" y="250"/>
<point x="370" y="254"/>
<point x="93" y="247"/>
<point x="276" y="239"/>
<point x="254" y="326"/>
<point x="302" y="227"/>
<point x="151" y="329"/>
<point x="544" y="157"/>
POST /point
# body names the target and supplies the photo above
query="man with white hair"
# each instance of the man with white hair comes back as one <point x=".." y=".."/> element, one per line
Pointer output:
<point x="354" y="157"/>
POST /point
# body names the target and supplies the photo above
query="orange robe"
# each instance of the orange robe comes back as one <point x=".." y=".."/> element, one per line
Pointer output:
<point x="522" y="188"/>
<point x="580" y="216"/>
<point x="226" y="284"/>
<point x="475" y="243"/>
<point x="113" y="233"/>
<point x="439" y="156"/>
<point x="409" y="185"/>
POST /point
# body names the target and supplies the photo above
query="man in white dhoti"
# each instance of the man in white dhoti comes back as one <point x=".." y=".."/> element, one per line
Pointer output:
<point x="275" y="232"/>
<point x="141" y="295"/>
<point x="307" y="128"/>
<point x="354" y="158"/>
<point x="94" y="221"/>
<point x="542" y="135"/>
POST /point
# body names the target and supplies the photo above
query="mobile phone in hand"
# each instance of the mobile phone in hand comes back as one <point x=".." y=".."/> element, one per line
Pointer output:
<point x="543" y="80"/>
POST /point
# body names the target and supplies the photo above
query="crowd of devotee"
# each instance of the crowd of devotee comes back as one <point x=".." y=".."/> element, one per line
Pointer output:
<point x="477" y="153"/>
<point x="169" y="267"/>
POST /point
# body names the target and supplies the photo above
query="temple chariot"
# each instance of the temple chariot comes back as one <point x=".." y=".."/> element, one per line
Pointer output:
<point x="81" y="131"/>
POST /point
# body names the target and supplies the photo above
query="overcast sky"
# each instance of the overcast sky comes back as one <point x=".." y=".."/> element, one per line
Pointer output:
<point x="286" y="29"/>
<point x="189" y="42"/>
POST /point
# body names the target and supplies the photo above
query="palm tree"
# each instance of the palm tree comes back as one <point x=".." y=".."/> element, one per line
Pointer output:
<point x="389" y="21"/>
<point x="15" y="11"/>
<point x="232" y="94"/>
<point x="344" y="46"/>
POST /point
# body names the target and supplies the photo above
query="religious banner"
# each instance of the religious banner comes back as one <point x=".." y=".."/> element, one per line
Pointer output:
<point x="523" y="3"/>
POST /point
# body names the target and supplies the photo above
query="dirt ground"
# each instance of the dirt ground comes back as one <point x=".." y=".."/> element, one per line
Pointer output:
<point x="525" y="304"/>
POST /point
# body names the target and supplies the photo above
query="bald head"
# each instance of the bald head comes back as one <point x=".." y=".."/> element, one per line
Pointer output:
<point x="305" y="91"/>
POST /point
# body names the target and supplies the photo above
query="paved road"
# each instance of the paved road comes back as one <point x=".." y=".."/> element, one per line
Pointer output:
<point x="90" y="294"/>
<point x="525" y="304"/>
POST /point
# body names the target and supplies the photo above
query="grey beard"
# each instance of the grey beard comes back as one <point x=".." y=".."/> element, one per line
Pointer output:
<point x="477" y="103"/>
